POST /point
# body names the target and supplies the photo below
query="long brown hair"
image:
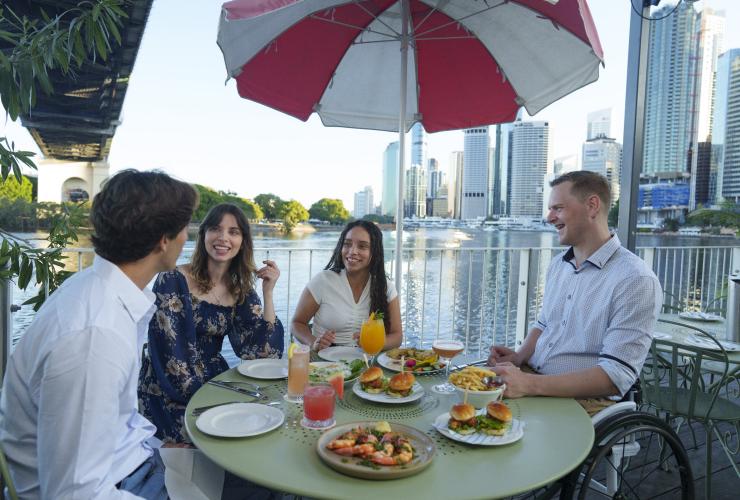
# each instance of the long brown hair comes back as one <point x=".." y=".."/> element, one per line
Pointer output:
<point x="378" y="280"/>
<point x="242" y="267"/>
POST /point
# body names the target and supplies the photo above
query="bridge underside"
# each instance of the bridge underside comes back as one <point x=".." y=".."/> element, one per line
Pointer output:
<point x="78" y="121"/>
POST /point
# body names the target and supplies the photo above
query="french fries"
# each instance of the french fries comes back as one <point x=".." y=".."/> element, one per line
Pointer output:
<point x="471" y="378"/>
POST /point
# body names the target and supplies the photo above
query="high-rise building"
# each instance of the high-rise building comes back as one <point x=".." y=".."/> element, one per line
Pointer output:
<point x="599" y="124"/>
<point x="491" y="209"/>
<point x="440" y="206"/>
<point x="725" y="152"/>
<point x="710" y="44"/>
<point x="670" y="89"/>
<point x="454" y="184"/>
<point x="390" y="180"/>
<point x="564" y="164"/>
<point x="434" y="178"/>
<point x="364" y="203"/>
<point x="603" y="155"/>
<point x="475" y="173"/>
<point x="415" y="199"/>
<point x="530" y="163"/>
<point x="418" y="145"/>
<point x="502" y="167"/>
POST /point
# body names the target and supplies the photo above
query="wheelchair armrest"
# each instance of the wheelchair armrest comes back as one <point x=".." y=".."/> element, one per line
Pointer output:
<point x="613" y="410"/>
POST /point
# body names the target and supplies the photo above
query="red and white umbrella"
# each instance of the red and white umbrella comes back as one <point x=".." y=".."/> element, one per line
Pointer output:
<point x="387" y="64"/>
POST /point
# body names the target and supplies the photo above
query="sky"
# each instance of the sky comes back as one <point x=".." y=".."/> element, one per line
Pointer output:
<point x="181" y="116"/>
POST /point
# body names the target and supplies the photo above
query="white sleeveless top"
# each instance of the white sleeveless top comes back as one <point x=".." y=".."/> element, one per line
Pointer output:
<point x="338" y="310"/>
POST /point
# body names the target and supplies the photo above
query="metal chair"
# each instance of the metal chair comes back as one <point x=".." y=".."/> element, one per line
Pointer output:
<point x="674" y="384"/>
<point x="6" y="484"/>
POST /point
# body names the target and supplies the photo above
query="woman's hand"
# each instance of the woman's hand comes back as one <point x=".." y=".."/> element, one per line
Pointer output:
<point x="324" y="340"/>
<point x="269" y="275"/>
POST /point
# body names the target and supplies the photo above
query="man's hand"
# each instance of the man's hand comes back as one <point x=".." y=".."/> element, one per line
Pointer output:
<point x="517" y="382"/>
<point x="501" y="354"/>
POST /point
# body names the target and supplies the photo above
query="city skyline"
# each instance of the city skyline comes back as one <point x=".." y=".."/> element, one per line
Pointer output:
<point x="188" y="122"/>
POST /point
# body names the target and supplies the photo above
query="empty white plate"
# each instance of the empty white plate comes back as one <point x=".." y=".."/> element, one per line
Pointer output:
<point x="268" y="369"/>
<point x="340" y="353"/>
<point x="239" y="420"/>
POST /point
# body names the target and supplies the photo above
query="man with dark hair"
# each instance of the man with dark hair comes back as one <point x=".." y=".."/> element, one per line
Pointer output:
<point x="599" y="309"/>
<point x="69" y="422"/>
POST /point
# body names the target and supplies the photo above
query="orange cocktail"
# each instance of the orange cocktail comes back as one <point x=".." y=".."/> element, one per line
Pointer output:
<point x="372" y="335"/>
<point x="298" y="358"/>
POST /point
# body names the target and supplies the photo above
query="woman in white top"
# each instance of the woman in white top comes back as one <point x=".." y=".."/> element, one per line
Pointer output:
<point x="341" y="297"/>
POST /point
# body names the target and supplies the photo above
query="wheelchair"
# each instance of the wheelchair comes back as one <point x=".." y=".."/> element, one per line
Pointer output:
<point x="635" y="455"/>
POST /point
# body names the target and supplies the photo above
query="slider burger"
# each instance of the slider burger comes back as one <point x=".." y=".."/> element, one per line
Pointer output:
<point x="372" y="380"/>
<point x="400" y="385"/>
<point x="497" y="419"/>
<point x="462" y="419"/>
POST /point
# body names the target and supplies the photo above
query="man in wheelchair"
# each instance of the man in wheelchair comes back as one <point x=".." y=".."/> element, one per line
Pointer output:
<point x="599" y="309"/>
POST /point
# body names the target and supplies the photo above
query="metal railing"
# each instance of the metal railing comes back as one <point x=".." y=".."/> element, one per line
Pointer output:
<point x="489" y="295"/>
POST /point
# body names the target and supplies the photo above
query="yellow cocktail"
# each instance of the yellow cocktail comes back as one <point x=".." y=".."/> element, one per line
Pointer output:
<point x="372" y="336"/>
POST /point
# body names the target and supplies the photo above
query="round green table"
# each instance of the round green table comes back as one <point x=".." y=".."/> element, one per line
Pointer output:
<point x="558" y="435"/>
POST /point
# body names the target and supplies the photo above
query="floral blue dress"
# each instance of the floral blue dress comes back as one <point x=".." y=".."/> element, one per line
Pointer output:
<point x="184" y="349"/>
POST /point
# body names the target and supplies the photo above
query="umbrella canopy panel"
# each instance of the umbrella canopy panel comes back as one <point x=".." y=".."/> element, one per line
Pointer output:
<point x="471" y="63"/>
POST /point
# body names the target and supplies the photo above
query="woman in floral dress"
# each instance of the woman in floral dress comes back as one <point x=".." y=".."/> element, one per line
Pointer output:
<point x="197" y="306"/>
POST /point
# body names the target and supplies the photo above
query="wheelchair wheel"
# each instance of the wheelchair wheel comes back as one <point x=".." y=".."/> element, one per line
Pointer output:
<point x="636" y="455"/>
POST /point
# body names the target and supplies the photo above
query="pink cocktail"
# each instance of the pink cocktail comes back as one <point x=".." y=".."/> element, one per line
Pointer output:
<point x="318" y="406"/>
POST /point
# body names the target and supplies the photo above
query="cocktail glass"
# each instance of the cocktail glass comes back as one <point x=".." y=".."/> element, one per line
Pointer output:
<point x="372" y="336"/>
<point x="297" y="373"/>
<point x="318" y="406"/>
<point x="447" y="349"/>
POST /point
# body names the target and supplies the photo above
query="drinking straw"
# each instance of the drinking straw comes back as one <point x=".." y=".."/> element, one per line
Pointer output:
<point x="367" y="365"/>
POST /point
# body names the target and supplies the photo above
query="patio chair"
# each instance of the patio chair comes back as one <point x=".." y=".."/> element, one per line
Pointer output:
<point x="674" y="383"/>
<point x="6" y="482"/>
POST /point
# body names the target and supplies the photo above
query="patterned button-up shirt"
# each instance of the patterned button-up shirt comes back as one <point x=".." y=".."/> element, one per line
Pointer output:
<point x="602" y="313"/>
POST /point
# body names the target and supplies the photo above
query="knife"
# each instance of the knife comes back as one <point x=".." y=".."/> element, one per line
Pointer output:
<point x="474" y="363"/>
<point x="240" y="390"/>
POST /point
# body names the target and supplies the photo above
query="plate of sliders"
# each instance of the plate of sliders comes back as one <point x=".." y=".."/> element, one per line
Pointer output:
<point x="373" y="385"/>
<point x="491" y="426"/>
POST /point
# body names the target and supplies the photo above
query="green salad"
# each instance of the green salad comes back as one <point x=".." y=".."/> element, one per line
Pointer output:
<point x="321" y="372"/>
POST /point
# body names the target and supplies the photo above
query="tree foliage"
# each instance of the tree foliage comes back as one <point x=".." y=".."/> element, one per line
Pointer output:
<point x="614" y="215"/>
<point x="292" y="212"/>
<point x="31" y="49"/>
<point x="270" y="204"/>
<point x="728" y="215"/>
<point x="329" y="209"/>
<point x="210" y="198"/>
<point x="11" y="189"/>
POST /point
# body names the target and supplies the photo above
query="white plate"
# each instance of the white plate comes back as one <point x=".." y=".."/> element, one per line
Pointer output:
<point x="266" y="369"/>
<point x="514" y="434"/>
<point x="699" y="316"/>
<point x="662" y="336"/>
<point x="340" y="353"/>
<point x="417" y="391"/>
<point x="395" y="365"/>
<point x="708" y="344"/>
<point x="239" y="420"/>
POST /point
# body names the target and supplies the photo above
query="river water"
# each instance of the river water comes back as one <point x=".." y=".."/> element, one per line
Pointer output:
<point x="449" y="290"/>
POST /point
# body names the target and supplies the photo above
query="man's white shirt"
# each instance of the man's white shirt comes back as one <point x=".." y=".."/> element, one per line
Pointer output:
<point x="69" y="421"/>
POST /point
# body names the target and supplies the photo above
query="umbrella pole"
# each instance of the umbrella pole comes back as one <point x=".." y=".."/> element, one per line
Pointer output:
<point x="401" y="144"/>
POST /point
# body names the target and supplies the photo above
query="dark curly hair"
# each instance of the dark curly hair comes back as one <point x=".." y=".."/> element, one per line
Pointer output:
<point x="134" y="210"/>
<point x="378" y="280"/>
<point x="241" y="268"/>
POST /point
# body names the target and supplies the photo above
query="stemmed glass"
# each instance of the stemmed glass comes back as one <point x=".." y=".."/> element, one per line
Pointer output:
<point x="372" y="336"/>
<point x="447" y="349"/>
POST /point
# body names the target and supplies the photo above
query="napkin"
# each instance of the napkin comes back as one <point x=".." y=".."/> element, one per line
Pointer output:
<point x="190" y="475"/>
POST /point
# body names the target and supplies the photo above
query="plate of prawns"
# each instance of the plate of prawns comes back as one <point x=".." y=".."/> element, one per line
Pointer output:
<point x="376" y="450"/>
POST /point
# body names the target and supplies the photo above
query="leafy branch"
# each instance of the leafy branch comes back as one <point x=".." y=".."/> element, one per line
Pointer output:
<point x="38" y="46"/>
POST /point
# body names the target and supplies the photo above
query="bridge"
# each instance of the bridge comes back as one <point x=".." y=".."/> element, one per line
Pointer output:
<point x="74" y="127"/>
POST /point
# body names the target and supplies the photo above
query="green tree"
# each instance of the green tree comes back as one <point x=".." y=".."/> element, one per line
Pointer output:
<point x="270" y="204"/>
<point x="31" y="48"/>
<point x="209" y="198"/>
<point x="379" y="219"/>
<point x="292" y="212"/>
<point x="671" y="224"/>
<point x="614" y="215"/>
<point x="329" y="209"/>
<point x="11" y="189"/>
<point x="728" y="215"/>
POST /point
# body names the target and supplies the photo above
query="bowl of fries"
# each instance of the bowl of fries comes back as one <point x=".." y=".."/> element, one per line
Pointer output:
<point x="472" y="379"/>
